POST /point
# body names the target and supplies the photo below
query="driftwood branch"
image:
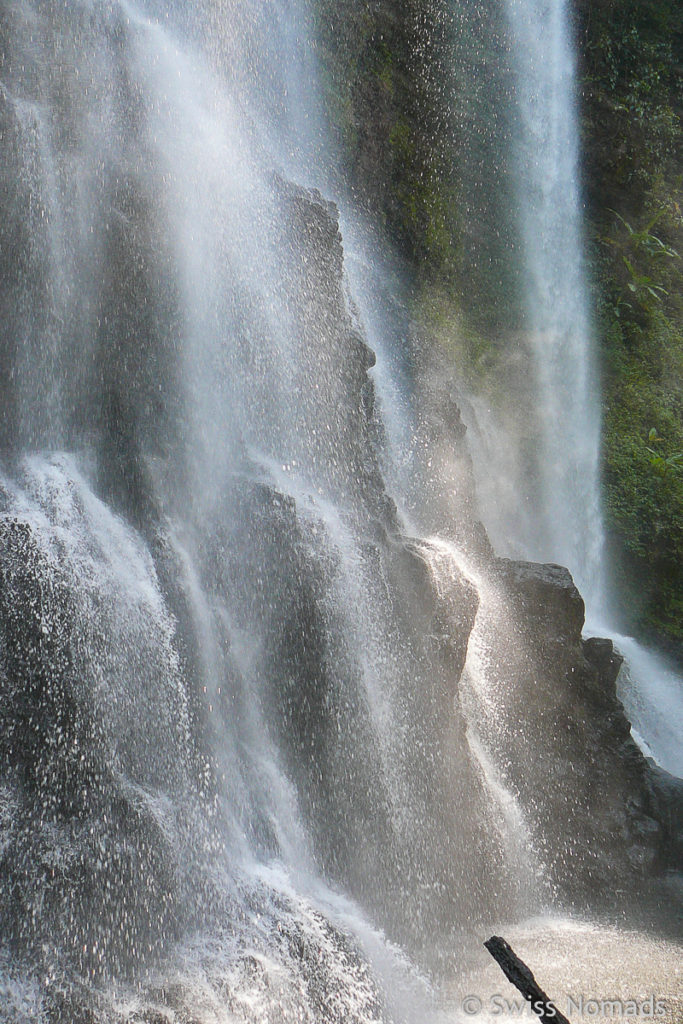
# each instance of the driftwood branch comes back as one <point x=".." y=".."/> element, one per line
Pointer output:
<point x="517" y="972"/>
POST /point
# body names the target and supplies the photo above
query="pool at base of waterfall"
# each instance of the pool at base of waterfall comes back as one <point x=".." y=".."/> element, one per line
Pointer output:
<point x="303" y="968"/>
<point x="590" y="971"/>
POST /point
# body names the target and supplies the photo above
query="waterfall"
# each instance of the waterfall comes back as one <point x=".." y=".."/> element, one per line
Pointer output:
<point x="266" y="740"/>
<point x="541" y="489"/>
<point x="565" y="413"/>
<point x="232" y="756"/>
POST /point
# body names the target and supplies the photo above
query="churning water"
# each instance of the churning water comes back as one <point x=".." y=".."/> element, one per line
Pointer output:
<point x="222" y="725"/>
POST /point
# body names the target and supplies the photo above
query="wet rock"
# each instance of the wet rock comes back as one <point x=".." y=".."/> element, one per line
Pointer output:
<point x="665" y="804"/>
<point x="452" y="601"/>
<point x="71" y="1008"/>
<point x="566" y="741"/>
<point x="151" y="1017"/>
<point x="336" y="393"/>
<point x="604" y="659"/>
<point x="87" y="862"/>
<point x="544" y="592"/>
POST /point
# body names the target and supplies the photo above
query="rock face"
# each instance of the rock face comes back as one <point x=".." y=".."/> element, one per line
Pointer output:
<point x="77" y="819"/>
<point x="543" y="594"/>
<point x="361" y="695"/>
<point x="596" y="809"/>
<point x="334" y="416"/>
<point x="235" y="689"/>
<point x="583" y="782"/>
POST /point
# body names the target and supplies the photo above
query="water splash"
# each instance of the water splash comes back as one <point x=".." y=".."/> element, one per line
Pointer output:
<point x="244" y="628"/>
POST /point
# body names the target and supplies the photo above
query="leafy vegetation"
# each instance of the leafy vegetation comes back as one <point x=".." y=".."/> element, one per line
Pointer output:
<point x="643" y="482"/>
<point x="632" y="142"/>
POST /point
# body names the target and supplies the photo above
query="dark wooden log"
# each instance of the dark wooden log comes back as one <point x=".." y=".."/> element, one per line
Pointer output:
<point x="517" y="972"/>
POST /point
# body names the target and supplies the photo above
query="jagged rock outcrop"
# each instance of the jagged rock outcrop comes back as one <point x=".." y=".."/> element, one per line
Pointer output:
<point x="283" y="570"/>
<point x="542" y="594"/>
<point x="585" y="785"/>
<point x="335" y="393"/>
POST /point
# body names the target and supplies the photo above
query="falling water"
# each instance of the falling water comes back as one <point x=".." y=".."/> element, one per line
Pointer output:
<point x="566" y="413"/>
<point x="237" y="708"/>
<point x="540" y="485"/>
<point x="240" y="778"/>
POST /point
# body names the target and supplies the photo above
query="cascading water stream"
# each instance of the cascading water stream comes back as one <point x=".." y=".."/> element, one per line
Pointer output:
<point x="179" y="325"/>
<point x="564" y="473"/>
<point x="241" y="780"/>
<point x="553" y="461"/>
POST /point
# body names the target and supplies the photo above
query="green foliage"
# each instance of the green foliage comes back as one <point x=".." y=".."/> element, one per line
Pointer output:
<point x="641" y="253"/>
<point x="635" y="86"/>
<point x="632" y="143"/>
<point x="643" y="442"/>
<point x="477" y="355"/>
<point x="662" y="464"/>
<point x="383" y="77"/>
